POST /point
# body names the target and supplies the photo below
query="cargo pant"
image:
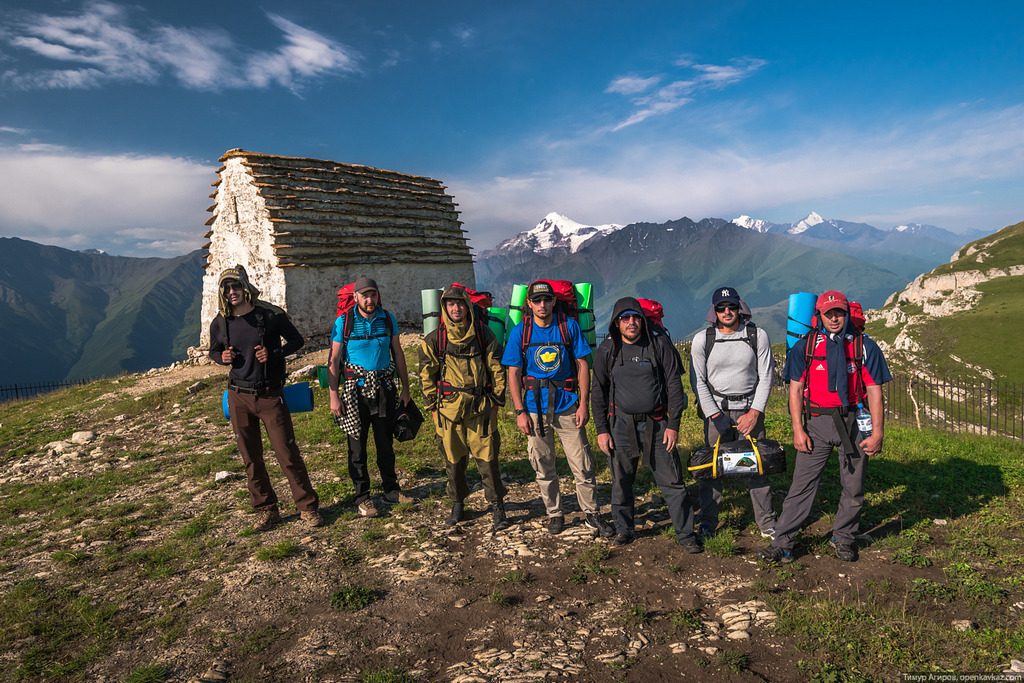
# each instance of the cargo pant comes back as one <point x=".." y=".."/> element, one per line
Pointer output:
<point x="541" y="450"/>
<point x="668" y="474"/>
<point x="806" y="477"/>
<point x="710" y="490"/>
<point x="247" y="411"/>
<point x="462" y="440"/>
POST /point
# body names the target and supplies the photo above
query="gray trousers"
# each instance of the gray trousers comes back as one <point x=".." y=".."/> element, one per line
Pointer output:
<point x="668" y="473"/>
<point x="806" y="476"/>
<point x="541" y="451"/>
<point x="709" y="491"/>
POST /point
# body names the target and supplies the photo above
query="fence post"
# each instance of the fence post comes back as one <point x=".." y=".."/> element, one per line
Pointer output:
<point x="988" y="386"/>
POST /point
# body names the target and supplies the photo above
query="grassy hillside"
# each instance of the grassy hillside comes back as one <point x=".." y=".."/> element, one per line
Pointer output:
<point x="124" y="560"/>
<point x="981" y="335"/>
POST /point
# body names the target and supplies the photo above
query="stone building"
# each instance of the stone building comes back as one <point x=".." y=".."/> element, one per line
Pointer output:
<point x="303" y="228"/>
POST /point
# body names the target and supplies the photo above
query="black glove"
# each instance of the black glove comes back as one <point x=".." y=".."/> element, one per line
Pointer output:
<point x="723" y="425"/>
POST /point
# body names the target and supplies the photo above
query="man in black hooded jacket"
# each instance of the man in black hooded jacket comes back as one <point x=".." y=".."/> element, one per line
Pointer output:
<point x="637" y="399"/>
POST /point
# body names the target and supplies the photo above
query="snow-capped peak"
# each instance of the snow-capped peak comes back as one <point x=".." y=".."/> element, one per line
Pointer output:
<point x="812" y="219"/>
<point x="557" y="230"/>
<point x="756" y="224"/>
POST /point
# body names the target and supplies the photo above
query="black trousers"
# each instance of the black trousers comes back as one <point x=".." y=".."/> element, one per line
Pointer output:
<point x="668" y="474"/>
<point x="358" y="468"/>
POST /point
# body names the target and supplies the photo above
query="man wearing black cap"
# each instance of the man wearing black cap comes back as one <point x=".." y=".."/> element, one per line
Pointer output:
<point x="732" y="370"/>
<point x="546" y="355"/>
<point x="368" y="355"/>
<point x="246" y="335"/>
<point x="638" y="400"/>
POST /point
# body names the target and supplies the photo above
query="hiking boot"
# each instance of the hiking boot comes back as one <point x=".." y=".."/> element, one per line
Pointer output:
<point x="267" y="519"/>
<point x="704" y="533"/>
<point x="844" y="551"/>
<point x="500" y="520"/>
<point x="457" y="514"/>
<point x="556" y="524"/>
<point x="768" y="533"/>
<point x="692" y="546"/>
<point x="773" y="554"/>
<point x="367" y="508"/>
<point x="594" y="521"/>
<point x="622" y="539"/>
<point x="312" y="518"/>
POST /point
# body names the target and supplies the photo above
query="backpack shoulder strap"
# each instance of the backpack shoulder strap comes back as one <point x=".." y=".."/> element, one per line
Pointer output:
<point x="752" y="338"/>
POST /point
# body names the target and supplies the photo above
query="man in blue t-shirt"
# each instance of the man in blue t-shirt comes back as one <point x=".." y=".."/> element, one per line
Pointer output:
<point x="543" y="374"/>
<point x="364" y="365"/>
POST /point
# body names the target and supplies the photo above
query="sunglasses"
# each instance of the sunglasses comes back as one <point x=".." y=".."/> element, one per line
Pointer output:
<point x="233" y="287"/>
<point x="630" y="316"/>
<point x="541" y="299"/>
<point x="726" y="307"/>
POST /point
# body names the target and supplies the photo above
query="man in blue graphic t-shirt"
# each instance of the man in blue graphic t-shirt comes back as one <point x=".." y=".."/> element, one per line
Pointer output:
<point x="545" y="372"/>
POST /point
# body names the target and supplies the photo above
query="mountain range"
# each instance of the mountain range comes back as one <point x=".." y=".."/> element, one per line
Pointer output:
<point x="70" y="315"/>
<point x="680" y="262"/>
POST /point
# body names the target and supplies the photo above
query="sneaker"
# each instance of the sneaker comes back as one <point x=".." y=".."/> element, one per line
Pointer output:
<point x="594" y="521"/>
<point x="267" y="519"/>
<point x="457" y="514"/>
<point x="500" y="521"/>
<point x="773" y="554"/>
<point x="556" y="524"/>
<point x="622" y="539"/>
<point x="396" y="496"/>
<point x="312" y="518"/>
<point x="845" y="552"/>
<point x="367" y="508"/>
<point x="768" y="533"/>
<point x="692" y="546"/>
<point x="704" y="533"/>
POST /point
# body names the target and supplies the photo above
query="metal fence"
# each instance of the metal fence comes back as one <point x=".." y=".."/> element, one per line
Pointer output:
<point x="991" y="407"/>
<point x="15" y="392"/>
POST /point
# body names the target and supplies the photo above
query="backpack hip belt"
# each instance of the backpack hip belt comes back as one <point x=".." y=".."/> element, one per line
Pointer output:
<point x="535" y="384"/>
<point x="254" y="388"/>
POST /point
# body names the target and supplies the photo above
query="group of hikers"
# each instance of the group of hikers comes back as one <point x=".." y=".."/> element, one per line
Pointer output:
<point x="635" y="394"/>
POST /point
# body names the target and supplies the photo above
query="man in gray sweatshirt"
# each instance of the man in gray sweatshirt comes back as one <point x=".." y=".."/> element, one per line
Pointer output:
<point x="731" y="369"/>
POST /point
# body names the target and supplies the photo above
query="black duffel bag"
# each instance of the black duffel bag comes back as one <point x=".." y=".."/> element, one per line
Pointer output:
<point x="744" y="458"/>
<point x="408" y="419"/>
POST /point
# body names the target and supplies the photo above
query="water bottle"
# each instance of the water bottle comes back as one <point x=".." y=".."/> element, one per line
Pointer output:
<point x="863" y="421"/>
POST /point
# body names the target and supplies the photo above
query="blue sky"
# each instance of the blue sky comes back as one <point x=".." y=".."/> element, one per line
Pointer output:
<point x="113" y="116"/>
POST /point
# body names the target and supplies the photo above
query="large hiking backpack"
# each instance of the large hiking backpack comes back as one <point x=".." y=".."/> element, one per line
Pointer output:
<point x="565" y="309"/>
<point x="479" y="301"/>
<point x="653" y="312"/>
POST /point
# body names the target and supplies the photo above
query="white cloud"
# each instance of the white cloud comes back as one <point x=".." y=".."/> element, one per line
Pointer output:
<point x="128" y="205"/>
<point x="101" y="45"/>
<point x="680" y="92"/>
<point x="632" y="85"/>
<point x="464" y="34"/>
<point x="919" y="166"/>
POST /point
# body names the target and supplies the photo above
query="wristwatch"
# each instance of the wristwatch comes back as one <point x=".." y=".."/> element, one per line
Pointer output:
<point x="520" y="411"/>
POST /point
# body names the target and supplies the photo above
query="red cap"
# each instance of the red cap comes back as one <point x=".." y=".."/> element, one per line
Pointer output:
<point x="832" y="299"/>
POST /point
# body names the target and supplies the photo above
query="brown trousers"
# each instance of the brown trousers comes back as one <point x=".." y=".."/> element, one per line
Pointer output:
<point x="247" y="411"/>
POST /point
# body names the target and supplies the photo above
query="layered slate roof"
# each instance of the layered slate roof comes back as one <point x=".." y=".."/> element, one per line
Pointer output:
<point x="325" y="213"/>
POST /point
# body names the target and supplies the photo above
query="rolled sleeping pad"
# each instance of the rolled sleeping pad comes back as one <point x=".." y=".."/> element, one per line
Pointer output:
<point x="431" y="302"/>
<point x="298" y="397"/>
<point x="801" y="311"/>
<point x="497" y="320"/>
<point x="516" y="308"/>
<point x="585" y="306"/>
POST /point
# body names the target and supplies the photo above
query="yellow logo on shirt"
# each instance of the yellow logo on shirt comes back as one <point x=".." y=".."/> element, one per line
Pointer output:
<point x="547" y="358"/>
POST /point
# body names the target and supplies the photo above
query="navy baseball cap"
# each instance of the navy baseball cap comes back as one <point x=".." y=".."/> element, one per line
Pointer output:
<point x="725" y="295"/>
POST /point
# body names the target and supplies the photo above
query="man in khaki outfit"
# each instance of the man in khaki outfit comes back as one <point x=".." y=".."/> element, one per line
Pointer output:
<point x="463" y="387"/>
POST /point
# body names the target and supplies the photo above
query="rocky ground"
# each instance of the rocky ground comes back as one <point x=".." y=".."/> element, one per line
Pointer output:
<point x="399" y="597"/>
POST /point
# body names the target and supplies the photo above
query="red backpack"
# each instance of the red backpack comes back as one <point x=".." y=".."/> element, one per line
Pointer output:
<point x="481" y="299"/>
<point x="653" y="311"/>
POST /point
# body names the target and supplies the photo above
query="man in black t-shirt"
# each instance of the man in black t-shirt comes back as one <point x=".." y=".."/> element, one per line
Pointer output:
<point x="637" y="399"/>
<point x="246" y="335"/>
